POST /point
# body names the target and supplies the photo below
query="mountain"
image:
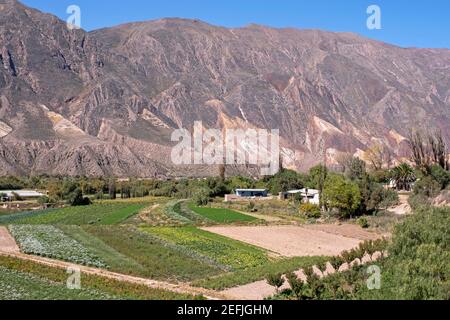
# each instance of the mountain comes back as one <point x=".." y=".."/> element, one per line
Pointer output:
<point x="106" y="102"/>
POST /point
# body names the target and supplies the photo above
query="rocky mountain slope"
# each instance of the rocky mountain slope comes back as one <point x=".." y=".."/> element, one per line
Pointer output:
<point x="107" y="101"/>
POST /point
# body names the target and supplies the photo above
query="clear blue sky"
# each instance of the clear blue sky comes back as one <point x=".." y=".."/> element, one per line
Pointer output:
<point x="408" y="23"/>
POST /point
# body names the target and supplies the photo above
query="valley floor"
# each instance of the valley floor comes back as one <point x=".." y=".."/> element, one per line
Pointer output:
<point x="166" y="245"/>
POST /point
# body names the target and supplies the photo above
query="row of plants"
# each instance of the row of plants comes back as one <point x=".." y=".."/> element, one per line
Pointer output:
<point x="20" y="279"/>
<point x="135" y="252"/>
<point x="225" y="251"/>
<point x="173" y="210"/>
<point x="100" y="213"/>
<point x="253" y="274"/>
<point x="417" y="268"/>
<point x="15" y="217"/>
<point x="182" y="208"/>
<point x="49" y="241"/>
<point x="221" y="215"/>
<point x="17" y="285"/>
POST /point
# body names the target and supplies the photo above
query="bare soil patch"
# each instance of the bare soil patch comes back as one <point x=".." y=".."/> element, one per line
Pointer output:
<point x="7" y="242"/>
<point x="403" y="208"/>
<point x="296" y="241"/>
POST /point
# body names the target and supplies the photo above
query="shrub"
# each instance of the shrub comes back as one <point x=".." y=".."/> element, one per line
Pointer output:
<point x="201" y="198"/>
<point x="275" y="280"/>
<point x="77" y="199"/>
<point x="43" y="200"/>
<point x="310" y="210"/>
<point x="298" y="287"/>
<point x="251" y="207"/>
<point x="427" y="187"/>
<point x="363" y="223"/>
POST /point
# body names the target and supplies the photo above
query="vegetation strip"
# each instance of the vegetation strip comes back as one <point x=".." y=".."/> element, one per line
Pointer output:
<point x="112" y="284"/>
<point x="221" y="215"/>
<point x="225" y="251"/>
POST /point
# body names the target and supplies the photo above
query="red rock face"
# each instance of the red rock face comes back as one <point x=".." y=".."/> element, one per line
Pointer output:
<point x="126" y="88"/>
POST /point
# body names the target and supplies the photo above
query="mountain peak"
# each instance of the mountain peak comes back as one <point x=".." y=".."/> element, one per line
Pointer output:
<point x="123" y="90"/>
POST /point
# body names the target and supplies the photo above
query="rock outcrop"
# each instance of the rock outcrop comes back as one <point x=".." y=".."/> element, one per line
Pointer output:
<point x="107" y="101"/>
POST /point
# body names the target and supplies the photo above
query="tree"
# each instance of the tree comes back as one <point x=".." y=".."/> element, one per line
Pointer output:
<point x="341" y="194"/>
<point x="428" y="150"/>
<point x="317" y="177"/>
<point x="112" y="188"/>
<point x="275" y="280"/>
<point x="285" y="180"/>
<point x="201" y="197"/>
<point x="440" y="175"/>
<point x="427" y="187"/>
<point x="77" y="199"/>
<point x="222" y="172"/>
<point x="356" y="169"/>
<point x="404" y="176"/>
<point x="378" y="156"/>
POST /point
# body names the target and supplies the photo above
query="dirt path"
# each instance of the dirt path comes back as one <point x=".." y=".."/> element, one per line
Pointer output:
<point x="296" y="241"/>
<point x="144" y="214"/>
<point x="7" y="242"/>
<point x="261" y="216"/>
<point x="403" y="208"/>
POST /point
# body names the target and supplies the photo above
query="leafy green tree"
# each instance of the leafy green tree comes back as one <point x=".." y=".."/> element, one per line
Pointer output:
<point x="342" y="195"/>
<point x="317" y="177"/>
<point x="202" y="197"/>
<point x="427" y="187"/>
<point x="440" y="175"/>
<point x="77" y="199"/>
<point x="285" y="180"/>
<point x="356" y="169"/>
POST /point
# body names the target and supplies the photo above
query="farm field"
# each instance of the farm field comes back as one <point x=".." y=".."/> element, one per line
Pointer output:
<point x="165" y="240"/>
<point x="221" y="215"/>
<point x="149" y="256"/>
<point x="27" y="280"/>
<point x="292" y="241"/>
<point x="101" y="213"/>
<point x="227" y="253"/>
<point x="49" y="241"/>
<point x="249" y="275"/>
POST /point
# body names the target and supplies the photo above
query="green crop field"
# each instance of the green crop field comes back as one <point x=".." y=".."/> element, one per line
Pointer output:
<point x="131" y="251"/>
<point x="225" y="251"/>
<point x="26" y="280"/>
<point x="102" y="213"/>
<point x="49" y="241"/>
<point x="221" y="215"/>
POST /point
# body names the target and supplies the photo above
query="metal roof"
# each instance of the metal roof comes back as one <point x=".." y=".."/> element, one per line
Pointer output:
<point x="22" y="193"/>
